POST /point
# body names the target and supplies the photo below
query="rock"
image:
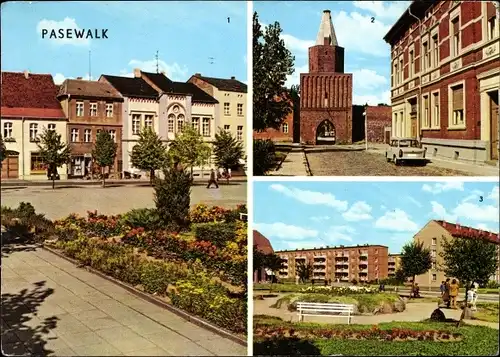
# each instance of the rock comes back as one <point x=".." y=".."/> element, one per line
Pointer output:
<point x="387" y="308"/>
<point x="400" y="305"/>
<point x="438" y="316"/>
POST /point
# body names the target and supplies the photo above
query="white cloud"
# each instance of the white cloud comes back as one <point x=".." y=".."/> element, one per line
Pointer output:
<point x="173" y="71"/>
<point x="367" y="79"/>
<point x="475" y="196"/>
<point x="67" y="23"/>
<point x="59" y="78"/>
<point x="494" y="195"/>
<point x="311" y="197"/>
<point x="359" y="211"/>
<point x="320" y="218"/>
<point x="372" y="99"/>
<point x="414" y="201"/>
<point x="285" y="231"/>
<point x="335" y="233"/>
<point x="390" y="10"/>
<point x="397" y="220"/>
<point x="440" y="213"/>
<point x="442" y="187"/>
<point x="294" y="44"/>
<point x="466" y="210"/>
<point x="485" y="227"/>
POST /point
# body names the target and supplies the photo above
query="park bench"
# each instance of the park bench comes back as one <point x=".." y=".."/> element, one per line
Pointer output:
<point x="324" y="309"/>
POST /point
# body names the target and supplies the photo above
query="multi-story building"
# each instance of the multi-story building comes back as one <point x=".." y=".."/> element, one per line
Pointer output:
<point x="432" y="236"/>
<point x="393" y="264"/>
<point x="326" y="91"/>
<point x="339" y="264"/>
<point x="232" y="96"/>
<point x="378" y="121"/>
<point x="90" y="106"/>
<point x="445" y="75"/>
<point x="283" y="135"/>
<point x="29" y="105"/>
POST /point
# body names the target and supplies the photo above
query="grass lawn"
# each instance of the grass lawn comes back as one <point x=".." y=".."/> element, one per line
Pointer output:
<point x="282" y="151"/>
<point x="475" y="341"/>
<point x="487" y="312"/>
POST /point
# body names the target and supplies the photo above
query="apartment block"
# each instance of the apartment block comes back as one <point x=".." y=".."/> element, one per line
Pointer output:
<point x="393" y="264"/>
<point x="338" y="264"/>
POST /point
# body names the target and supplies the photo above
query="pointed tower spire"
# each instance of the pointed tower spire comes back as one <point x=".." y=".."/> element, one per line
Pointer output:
<point x="326" y="33"/>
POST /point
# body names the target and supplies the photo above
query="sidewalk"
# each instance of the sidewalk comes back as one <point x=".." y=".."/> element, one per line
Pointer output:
<point x="295" y="164"/>
<point x="49" y="306"/>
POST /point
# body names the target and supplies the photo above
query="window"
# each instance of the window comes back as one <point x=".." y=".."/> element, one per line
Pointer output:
<point x="7" y="130"/>
<point x="435" y="51"/>
<point x="206" y="127"/>
<point x="395" y="124"/>
<point x="87" y="135"/>
<point x="51" y="126"/>
<point x="93" y="109"/>
<point x="74" y="135"/>
<point x="425" y="114"/>
<point x="33" y="132"/>
<point x="401" y="70"/>
<point x="285" y="128"/>
<point x="435" y="111"/>
<point x="434" y="240"/>
<point x="434" y="276"/>
<point x="458" y="105"/>
<point x="226" y="108"/>
<point x="239" y="133"/>
<point x="425" y="52"/>
<point x="455" y="23"/>
<point x="109" y="110"/>
<point x="396" y="74"/>
<point x="136" y="124"/>
<point x="492" y="24"/>
<point x="180" y="123"/>
<point x="148" y="121"/>
<point x="36" y="163"/>
<point x="412" y="64"/>
<point x="239" y="109"/>
<point x="196" y="124"/>
<point x="433" y="254"/>
<point x="112" y="133"/>
<point x="79" y="109"/>
<point x="171" y="119"/>
<point x="227" y="127"/>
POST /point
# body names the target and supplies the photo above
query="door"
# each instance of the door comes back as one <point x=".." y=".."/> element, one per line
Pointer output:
<point x="10" y="167"/>
<point x="494" y="125"/>
<point x="413" y="127"/>
<point x="387" y="136"/>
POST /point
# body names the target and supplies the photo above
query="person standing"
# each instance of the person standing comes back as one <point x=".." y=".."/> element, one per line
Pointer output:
<point x="442" y="287"/>
<point x="446" y="295"/>
<point x="454" y="293"/>
<point x="212" y="179"/>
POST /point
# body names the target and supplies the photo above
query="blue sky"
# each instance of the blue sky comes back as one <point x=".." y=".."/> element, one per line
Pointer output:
<point x="313" y="214"/>
<point x="185" y="33"/>
<point x="367" y="55"/>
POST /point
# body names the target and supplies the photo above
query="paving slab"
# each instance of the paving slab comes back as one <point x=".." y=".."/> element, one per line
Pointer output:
<point x="58" y="309"/>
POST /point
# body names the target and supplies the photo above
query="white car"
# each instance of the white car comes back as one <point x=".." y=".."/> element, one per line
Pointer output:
<point x="404" y="149"/>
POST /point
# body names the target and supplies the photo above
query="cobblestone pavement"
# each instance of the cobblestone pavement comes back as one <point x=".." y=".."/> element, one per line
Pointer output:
<point x="60" y="202"/>
<point x="361" y="163"/>
<point x="51" y="307"/>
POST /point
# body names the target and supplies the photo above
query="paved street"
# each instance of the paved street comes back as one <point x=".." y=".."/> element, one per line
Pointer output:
<point x="51" y="307"/>
<point x="328" y="161"/>
<point x="60" y="202"/>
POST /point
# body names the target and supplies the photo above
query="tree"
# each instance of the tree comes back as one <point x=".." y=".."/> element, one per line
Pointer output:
<point x="172" y="199"/>
<point x="227" y="150"/>
<point x="469" y="259"/>
<point x="53" y="152"/>
<point x="149" y="153"/>
<point x="399" y="276"/>
<point x="264" y="156"/>
<point x="189" y="149"/>
<point x="104" y="152"/>
<point x="304" y="271"/>
<point x="272" y="63"/>
<point x="3" y="151"/>
<point x="415" y="260"/>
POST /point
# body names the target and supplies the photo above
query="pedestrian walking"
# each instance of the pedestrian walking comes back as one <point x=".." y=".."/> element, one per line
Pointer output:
<point x="446" y="295"/>
<point x="454" y="293"/>
<point x="212" y="179"/>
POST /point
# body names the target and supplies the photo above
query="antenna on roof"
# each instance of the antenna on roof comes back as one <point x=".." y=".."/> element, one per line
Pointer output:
<point x="157" y="63"/>
<point x="90" y="66"/>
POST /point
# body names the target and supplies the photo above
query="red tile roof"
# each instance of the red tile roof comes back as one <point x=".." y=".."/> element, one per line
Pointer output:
<point x="262" y="243"/>
<point x="34" y="96"/>
<point x="457" y="230"/>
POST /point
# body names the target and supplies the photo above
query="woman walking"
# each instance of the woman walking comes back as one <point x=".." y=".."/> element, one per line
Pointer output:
<point x="454" y="293"/>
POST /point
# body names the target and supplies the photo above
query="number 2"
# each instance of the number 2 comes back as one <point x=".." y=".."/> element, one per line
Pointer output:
<point x="373" y="20"/>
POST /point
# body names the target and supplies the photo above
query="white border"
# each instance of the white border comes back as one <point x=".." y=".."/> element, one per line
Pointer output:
<point x="249" y="174"/>
<point x="380" y="179"/>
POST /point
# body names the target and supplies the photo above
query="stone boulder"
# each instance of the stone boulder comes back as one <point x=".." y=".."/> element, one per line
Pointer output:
<point x="400" y="305"/>
<point x="438" y="316"/>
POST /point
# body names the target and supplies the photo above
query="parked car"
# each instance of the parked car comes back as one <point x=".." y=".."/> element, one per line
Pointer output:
<point x="405" y="149"/>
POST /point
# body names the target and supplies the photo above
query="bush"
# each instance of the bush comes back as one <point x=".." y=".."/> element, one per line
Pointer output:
<point x="24" y="221"/>
<point x="203" y="214"/>
<point x="354" y="282"/>
<point x="147" y="218"/>
<point x="492" y="284"/>
<point x="216" y="233"/>
<point x="264" y="156"/>
<point x="172" y="199"/>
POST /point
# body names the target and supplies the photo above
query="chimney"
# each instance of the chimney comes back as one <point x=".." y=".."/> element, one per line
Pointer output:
<point x="233" y="77"/>
<point x="197" y="74"/>
<point x="80" y="78"/>
<point x="26" y="74"/>
<point x="162" y="72"/>
<point x="457" y="226"/>
<point x="137" y="73"/>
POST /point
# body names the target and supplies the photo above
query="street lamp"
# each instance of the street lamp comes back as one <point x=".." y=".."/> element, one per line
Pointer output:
<point x="366" y="127"/>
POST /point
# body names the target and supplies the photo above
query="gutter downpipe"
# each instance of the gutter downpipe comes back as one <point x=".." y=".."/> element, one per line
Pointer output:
<point x="22" y="145"/>
<point x="419" y="80"/>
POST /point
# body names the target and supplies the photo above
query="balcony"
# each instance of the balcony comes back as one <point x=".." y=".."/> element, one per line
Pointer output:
<point x="361" y="271"/>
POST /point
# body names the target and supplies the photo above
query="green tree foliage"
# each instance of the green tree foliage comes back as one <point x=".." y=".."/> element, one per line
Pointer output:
<point x="272" y="63"/>
<point x="227" y="150"/>
<point x="415" y="260"/>
<point x="189" y="149"/>
<point x="172" y="199"/>
<point x="304" y="271"/>
<point x="104" y="152"/>
<point x="264" y="156"/>
<point x="149" y="153"/>
<point x="3" y="150"/>
<point x="469" y="260"/>
<point x="53" y="151"/>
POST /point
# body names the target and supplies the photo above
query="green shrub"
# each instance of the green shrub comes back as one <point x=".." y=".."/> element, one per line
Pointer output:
<point x="492" y="284"/>
<point x="264" y="156"/>
<point x="147" y="218"/>
<point x="216" y="233"/>
<point x="153" y="278"/>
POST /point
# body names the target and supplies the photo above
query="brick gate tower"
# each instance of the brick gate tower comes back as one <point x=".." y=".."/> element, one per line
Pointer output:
<point x="326" y="91"/>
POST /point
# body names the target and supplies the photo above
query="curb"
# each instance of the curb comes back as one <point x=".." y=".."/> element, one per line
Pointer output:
<point x="306" y="163"/>
<point x="145" y="296"/>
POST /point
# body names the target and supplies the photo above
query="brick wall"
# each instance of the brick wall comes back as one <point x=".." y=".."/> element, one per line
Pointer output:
<point x="378" y="118"/>
<point x="278" y="135"/>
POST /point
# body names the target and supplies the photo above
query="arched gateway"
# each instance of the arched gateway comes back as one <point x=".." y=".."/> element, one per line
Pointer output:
<point x="325" y="134"/>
